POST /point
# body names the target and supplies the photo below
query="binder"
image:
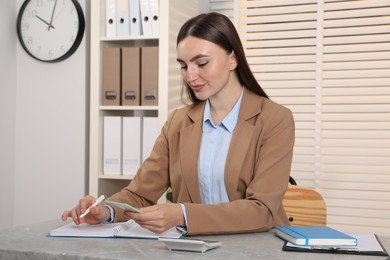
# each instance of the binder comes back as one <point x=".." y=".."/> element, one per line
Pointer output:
<point x="110" y="18"/>
<point x="131" y="145"/>
<point x="122" y="18"/>
<point x="149" y="76"/>
<point x="112" y="129"/>
<point x="155" y="17"/>
<point x="131" y="78"/>
<point x="150" y="131"/>
<point x="111" y="77"/>
<point x="145" y="16"/>
<point x="135" y="18"/>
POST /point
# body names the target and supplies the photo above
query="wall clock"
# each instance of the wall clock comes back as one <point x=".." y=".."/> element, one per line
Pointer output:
<point x="50" y="30"/>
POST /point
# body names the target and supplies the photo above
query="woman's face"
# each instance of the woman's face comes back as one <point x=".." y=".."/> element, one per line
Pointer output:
<point x="205" y="66"/>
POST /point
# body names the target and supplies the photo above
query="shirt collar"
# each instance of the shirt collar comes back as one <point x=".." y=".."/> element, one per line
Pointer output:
<point x="230" y="121"/>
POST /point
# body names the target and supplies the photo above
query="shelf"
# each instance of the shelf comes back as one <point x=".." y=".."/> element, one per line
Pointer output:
<point x="116" y="177"/>
<point x="129" y="38"/>
<point x="122" y="108"/>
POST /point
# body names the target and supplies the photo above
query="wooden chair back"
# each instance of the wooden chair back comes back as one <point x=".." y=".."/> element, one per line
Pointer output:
<point x="304" y="207"/>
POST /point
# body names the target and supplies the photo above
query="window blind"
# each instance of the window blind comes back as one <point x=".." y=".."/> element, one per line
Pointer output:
<point x="329" y="62"/>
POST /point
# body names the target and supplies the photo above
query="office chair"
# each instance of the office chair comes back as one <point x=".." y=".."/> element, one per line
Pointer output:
<point x="304" y="206"/>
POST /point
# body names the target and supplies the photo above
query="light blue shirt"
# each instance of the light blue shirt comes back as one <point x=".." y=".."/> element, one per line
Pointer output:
<point x="212" y="156"/>
<point x="213" y="152"/>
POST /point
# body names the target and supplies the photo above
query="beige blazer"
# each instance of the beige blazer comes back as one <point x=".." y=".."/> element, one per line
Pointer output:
<point x="256" y="173"/>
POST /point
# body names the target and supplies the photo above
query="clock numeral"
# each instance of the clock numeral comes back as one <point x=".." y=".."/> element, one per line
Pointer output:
<point x="62" y="49"/>
<point x="39" y="3"/>
<point x="72" y="10"/>
<point x="26" y="26"/>
<point x="38" y="49"/>
<point x="30" y="40"/>
<point x="31" y="13"/>
<point x="72" y="38"/>
<point x="50" y="53"/>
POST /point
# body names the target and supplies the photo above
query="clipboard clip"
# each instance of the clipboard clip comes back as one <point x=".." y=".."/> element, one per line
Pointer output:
<point x="335" y="249"/>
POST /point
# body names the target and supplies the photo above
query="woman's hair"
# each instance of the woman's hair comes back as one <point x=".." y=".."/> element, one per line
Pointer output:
<point x="218" y="29"/>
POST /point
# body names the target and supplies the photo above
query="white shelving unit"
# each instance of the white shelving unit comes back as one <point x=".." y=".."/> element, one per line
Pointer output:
<point x="173" y="13"/>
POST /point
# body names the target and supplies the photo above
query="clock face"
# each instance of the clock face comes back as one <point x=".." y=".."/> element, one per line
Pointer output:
<point x="50" y="30"/>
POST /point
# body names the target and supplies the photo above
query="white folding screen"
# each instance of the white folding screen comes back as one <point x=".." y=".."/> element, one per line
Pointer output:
<point x="355" y="133"/>
<point x="225" y="7"/>
<point x="329" y="62"/>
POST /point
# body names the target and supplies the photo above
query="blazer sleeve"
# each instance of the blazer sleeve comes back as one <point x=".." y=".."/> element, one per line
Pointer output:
<point x="151" y="180"/>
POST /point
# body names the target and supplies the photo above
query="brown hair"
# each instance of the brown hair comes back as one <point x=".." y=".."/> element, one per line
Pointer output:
<point x="218" y="29"/>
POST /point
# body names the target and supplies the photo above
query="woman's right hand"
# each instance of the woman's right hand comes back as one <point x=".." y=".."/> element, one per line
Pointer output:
<point x="96" y="214"/>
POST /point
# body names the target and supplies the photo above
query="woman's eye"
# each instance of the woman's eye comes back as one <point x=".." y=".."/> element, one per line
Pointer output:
<point x="201" y="65"/>
<point x="183" y="67"/>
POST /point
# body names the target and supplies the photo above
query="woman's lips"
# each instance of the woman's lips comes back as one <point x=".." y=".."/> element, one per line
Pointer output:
<point x="197" y="87"/>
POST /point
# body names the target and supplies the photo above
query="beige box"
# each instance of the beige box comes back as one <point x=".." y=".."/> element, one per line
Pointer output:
<point x="149" y="76"/>
<point x="131" y="78"/>
<point x="111" y="77"/>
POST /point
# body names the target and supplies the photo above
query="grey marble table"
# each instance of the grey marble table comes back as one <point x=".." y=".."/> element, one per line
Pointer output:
<point x="32" y="242"/>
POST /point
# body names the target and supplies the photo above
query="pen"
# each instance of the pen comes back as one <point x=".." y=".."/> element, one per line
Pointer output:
<point x="100" y="199"/>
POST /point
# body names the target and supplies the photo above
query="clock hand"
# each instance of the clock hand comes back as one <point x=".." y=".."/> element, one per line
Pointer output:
<point x="44" y="21"/>
<point x="52" y="15"/>
<point x="58" y="14"/>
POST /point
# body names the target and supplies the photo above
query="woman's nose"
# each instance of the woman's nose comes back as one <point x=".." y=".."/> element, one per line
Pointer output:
<point x="191" y="74"/>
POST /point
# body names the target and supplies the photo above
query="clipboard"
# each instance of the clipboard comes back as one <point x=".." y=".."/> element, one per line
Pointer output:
<point x="368" y="244"/>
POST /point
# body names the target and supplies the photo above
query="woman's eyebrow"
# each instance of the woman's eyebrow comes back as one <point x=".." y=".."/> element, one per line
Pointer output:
<point x="199" y="56"/>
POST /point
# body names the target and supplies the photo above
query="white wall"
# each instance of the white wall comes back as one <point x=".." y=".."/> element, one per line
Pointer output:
<point x="43" y="117"/>
<point x="7" y="110"/>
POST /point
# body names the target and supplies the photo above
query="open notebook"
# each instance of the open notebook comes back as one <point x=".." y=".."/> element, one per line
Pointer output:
<point x="129" y="229"/>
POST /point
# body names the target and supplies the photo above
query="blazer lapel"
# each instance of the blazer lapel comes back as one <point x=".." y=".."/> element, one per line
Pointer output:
<point x="189" y="145"/>
<point x="241" y="140"/>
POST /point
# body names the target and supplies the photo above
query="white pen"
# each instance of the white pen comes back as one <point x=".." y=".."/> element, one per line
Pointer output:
<point x="100" y="199"/>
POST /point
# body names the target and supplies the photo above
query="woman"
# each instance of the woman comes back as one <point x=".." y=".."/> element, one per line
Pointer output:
<point x="226" y="156"/>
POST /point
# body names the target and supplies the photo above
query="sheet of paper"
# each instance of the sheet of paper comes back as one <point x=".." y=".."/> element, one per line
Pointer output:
<point x="85" y="230"/>
<point x="367" y="242"/>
